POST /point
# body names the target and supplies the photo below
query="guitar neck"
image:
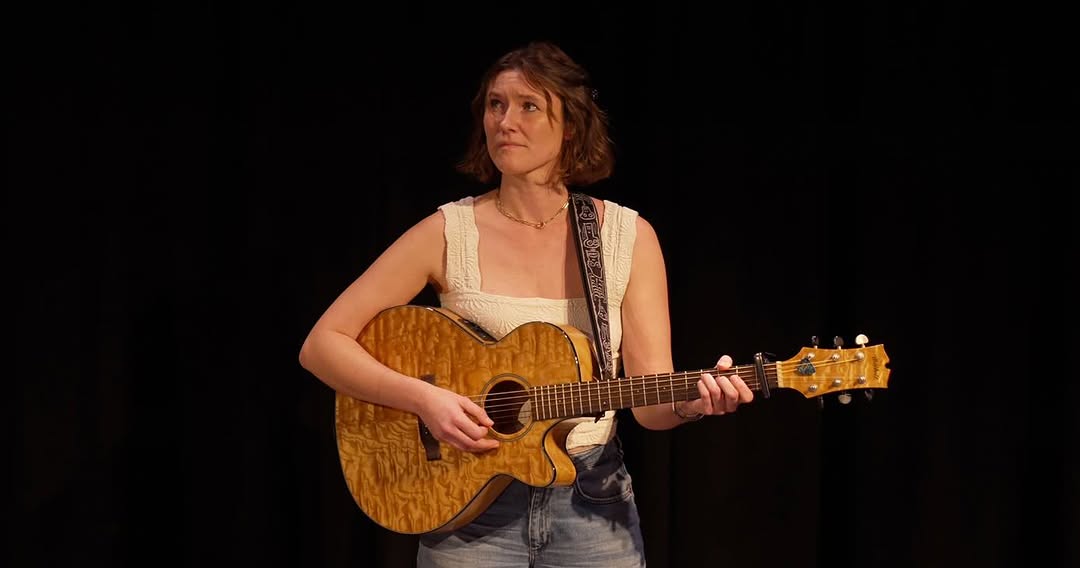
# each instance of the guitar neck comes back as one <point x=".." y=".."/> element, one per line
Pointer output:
<point x="595" y="397"/>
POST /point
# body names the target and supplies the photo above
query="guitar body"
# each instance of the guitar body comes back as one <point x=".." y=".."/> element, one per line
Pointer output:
<point x="408" y="482"/>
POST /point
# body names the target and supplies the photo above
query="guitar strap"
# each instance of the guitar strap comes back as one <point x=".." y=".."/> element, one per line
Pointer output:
<point x="591" y="260"/>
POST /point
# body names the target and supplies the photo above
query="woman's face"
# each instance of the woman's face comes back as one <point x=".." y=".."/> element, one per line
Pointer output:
<point x="521" y="139"/>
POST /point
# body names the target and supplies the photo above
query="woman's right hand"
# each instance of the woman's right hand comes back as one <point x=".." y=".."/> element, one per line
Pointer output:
<point x="454" y="419"/>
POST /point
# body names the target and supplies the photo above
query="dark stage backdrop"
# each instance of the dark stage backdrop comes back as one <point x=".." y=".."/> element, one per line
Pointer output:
<point x="188" y="186"/>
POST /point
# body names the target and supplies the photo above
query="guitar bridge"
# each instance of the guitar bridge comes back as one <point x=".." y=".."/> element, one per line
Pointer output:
<point x="431" y="445"/>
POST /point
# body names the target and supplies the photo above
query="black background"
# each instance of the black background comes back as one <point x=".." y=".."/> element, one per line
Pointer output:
<point x="188" y="186"/>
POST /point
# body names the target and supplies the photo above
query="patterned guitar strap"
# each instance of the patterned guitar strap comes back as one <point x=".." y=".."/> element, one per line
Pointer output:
<point x="591" y="260"/>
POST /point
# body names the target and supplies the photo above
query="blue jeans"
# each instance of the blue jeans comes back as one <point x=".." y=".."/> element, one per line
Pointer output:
<point x="593" y="523"/>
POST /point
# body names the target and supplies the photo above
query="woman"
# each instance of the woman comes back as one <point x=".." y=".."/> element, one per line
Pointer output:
<point x="505" y="258"/>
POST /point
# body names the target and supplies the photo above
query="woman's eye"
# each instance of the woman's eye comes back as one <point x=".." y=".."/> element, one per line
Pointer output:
<point x="530" y="106"/>
<point x="495" y="104"/>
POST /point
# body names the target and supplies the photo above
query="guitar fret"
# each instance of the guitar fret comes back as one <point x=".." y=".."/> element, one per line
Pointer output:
<point x="553" y="397"/>
<point x="586" y="403"/>
<point x="549" y="402"/>
<point x="592" y="409"/>
<point x="560" y="401"/>
<point x="552" y="401"/>
<point x="581" y="398"/>
<point x="543" y="403"/>
<point x="553" y="393"/>
<point x="555" y="401"/>
<point x="561" y="389"/>
<point x="538" y="402"/>
<point x="568" y="394"/>
<point x="546" y="402"/>
<point x="575" y="396"/>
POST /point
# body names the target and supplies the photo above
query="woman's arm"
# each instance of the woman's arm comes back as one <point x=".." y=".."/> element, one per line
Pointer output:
<point x="331" y="351"/>
<point x="646" y="341"/>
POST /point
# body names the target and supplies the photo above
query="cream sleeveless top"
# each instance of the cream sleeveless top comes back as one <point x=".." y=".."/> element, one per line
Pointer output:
<point x="499" y="315"/>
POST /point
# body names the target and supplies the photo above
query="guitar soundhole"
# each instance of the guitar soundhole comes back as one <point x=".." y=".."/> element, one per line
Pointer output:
<point x="507" y="404"/>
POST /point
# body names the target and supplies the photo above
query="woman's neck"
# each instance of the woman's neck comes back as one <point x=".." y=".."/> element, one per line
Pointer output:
<point x="528" y="200"/>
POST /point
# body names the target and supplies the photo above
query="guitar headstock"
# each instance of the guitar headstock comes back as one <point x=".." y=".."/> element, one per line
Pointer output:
<point x="815" y="371"/>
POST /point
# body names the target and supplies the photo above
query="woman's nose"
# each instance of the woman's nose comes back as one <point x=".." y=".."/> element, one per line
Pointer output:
<point x="508" y="120"/>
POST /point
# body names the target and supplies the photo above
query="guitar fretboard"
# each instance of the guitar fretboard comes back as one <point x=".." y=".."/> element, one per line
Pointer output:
<point x="595" y="397"/>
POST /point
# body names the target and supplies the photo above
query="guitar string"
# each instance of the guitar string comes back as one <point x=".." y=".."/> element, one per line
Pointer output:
<point x="511" y="403"/>
<point x="623" y="383"/>
<point x="501" y="413"/>
<point x="592" y="392"/>
<point x="770" y="373"/>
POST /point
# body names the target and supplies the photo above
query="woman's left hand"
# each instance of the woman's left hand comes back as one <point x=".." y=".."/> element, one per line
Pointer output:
<point x="720" y="394"/>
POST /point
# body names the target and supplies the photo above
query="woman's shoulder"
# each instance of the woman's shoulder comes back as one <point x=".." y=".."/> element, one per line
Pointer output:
<point x="461" y="202"/>
<point x="465" y="202"/>
<point x="618" y="207"/>
<point x="620" y="215"/>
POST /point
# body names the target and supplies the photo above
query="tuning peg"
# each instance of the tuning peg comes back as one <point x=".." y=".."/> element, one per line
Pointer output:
<point x="861" y="340"/>
<point x="814" y="340"/>
<point x="821" y="403"/>
<point x="844" y="397"/>
<point x="838" y="342"/>
<point x="869" y="394"/>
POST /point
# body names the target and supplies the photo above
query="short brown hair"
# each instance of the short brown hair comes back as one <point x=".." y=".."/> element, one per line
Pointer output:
<point x="586" y="156"/>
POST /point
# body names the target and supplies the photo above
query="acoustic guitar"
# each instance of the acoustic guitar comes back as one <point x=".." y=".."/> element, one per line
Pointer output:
<point x="529" y="383"/>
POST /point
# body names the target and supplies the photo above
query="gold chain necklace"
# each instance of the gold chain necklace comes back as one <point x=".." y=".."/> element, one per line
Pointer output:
<point x="533" y="224"/>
